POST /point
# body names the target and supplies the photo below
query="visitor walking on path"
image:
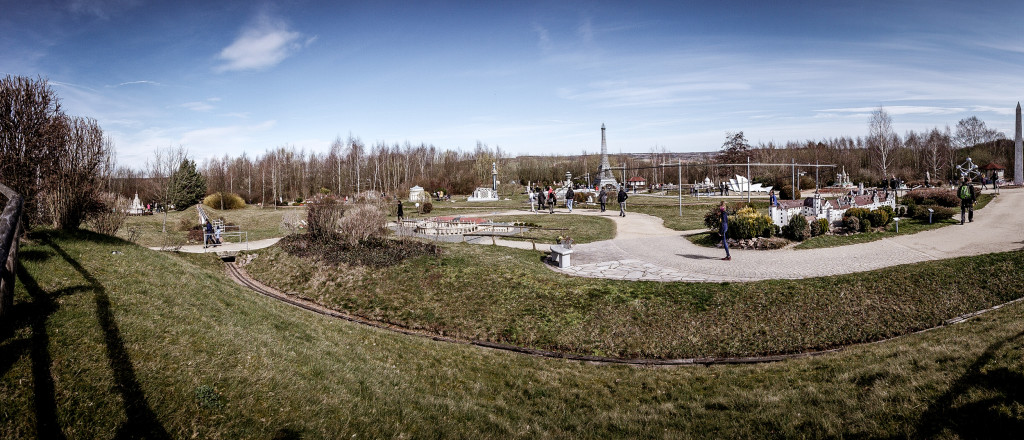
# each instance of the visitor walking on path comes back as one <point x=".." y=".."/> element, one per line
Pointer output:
<point x="724" y="229"/>
<point x="995" y="183"/>
<point x="401" y="213"/>
<point x="602" y="198"/>
<point x="622" y="201"/>
<point x="541" y="197"/>
<point x="569" y="198"/>
<point x="551" y="200"/>
<point x="967" y="195"/>
<point x="533" y="200"/>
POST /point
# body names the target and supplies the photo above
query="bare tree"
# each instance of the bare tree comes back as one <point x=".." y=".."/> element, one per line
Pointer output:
<point x="160" y="169"/>
<point x="882" y="140"/>
<point x="72" y="184"/>
<point x="29" y="110"/>
<point x="972" y="131"/>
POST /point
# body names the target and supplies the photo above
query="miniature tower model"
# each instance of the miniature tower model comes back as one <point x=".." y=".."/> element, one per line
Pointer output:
<point x="494" y="176"/>
<point x="1018" y="154"/>
<point x="604" y="174"/>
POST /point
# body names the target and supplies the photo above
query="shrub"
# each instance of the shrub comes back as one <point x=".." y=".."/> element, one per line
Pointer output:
<point x="852" y="223"/>
<point x="797" y="229"/>
<point x="322" y="216"/>
<point x="806" y="182"/>
<point x="581" y="197"/>
<point x="865" y="225"/>
<point x="229" y="200"/>
<point x="934" y="196"/>
<point x="941" y="213"/>
<point x="819" y="227"/>
<point x="362" y="222"/>
<point x="860" y="213"/>
<point x="786" y="193"/>
<point x="110" y="219"/>
<point x="713" y="219"/>
<point x="879" y="218"/>
<point x="426" y="207"/>
<point x="748" y="223"/>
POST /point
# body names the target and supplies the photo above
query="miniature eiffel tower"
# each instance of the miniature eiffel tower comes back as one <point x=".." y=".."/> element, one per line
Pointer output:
<point x="604" y="173"/>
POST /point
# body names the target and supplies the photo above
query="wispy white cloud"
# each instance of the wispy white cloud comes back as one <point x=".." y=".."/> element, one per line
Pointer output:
<point x="135" y="83"/>
<point x="899" y="110"/>
<point x="262" y="44"/>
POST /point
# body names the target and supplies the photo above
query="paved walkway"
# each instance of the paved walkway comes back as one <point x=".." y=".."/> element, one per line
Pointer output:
<point x="643" y="249"/>
<point x="226" y="247"/>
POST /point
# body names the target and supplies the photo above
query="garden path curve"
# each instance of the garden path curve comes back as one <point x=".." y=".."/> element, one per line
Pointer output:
<point x="644" y="249"/>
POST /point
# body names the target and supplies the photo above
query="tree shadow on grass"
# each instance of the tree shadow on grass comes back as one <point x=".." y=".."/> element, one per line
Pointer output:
<point x="141" y="420"/>
<point x="35" y="315"/>
<point x="980" y="403"/>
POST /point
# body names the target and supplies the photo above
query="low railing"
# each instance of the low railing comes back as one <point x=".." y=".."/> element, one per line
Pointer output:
<point x="10" y="233"/>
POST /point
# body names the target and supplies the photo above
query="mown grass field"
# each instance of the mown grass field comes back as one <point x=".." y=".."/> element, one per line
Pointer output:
<point x="582" y="229"/>
<point x="135" y="344"/>
<point x="507" y="295"/>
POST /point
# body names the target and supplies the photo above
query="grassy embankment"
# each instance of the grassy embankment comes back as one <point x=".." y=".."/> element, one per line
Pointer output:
<point x="506" y="295"/>
<point x="104" y="345"/>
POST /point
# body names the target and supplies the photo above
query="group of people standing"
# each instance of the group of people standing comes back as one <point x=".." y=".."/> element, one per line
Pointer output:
<point x="541" y="199"/>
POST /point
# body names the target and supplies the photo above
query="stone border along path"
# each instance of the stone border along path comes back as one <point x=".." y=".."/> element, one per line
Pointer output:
<point x="236" y="273"/>
<point x="645" y="250"/>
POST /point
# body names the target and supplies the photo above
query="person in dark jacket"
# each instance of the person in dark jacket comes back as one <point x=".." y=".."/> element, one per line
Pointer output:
<point x="551" y="200"/>
<point x="968" y="194"/>
<point x="569" y="198"/>
<point x="622" y="201"/>
<point x="724" y="229"/>
<point x="401" y="213"/>
<point x="602" y="198"/>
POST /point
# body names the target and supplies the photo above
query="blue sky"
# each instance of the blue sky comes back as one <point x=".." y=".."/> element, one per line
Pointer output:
<point x="531" y="77"/>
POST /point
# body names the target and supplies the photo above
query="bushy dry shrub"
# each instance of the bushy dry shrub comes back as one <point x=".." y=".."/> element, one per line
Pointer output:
<point x="934" y="196"/>
<point x="223" y="200"/>
<point x="362" y="222"/>
<point x="290" y="222"/>
<point x="322" y="216"/>
<point x="110" y="219"/>
<point x="426" y="207"/>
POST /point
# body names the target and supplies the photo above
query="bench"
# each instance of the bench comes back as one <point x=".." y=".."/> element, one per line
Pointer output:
<point x="561" y="254"/>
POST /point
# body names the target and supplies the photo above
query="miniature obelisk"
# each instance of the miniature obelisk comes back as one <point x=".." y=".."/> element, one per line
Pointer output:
<point x="1018" y="153"/>
<point x="604" y="174"/>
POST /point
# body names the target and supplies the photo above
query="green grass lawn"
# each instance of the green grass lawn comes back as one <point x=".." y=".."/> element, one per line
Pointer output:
<point x="259" y="223"/>
<point x="507" y="295"/>
<point x="582" y="229"/>
<point x="104" y="345"/>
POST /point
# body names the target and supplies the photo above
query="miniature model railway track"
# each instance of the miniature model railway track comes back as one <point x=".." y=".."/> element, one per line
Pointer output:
<point x="241" y="277"/>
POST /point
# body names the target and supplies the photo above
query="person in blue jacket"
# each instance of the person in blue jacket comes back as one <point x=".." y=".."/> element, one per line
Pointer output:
<point x="724" y="229"/>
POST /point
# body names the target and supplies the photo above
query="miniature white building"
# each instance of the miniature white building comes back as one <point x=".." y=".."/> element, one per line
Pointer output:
<point x="741" y="184"/>
<point x="831" y="209"/>
<point x="136" y="208"/>
<point x="416" y="194"/>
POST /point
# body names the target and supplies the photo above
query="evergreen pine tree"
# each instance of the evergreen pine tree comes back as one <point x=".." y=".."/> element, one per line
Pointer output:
<point x="188" y="186"/>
